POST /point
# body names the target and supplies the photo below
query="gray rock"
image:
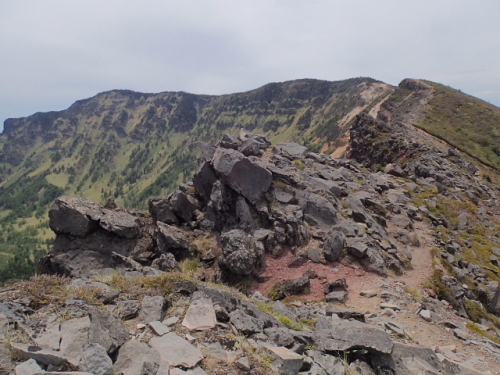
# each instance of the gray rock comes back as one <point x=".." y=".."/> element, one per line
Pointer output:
<point x="314" y="254"/>
<point x="29" y="367"/>
<point x="95" y="359"/>
<point x="359" y="367"/>
<point x="69" y="215"/>
<point x="6" y="363"/>
<point x="291" y="287"/>
<point x="245" y="323"/>
<point x="333" y="245"/>
<point x="183" y="205"/>
<point x="204" y="180"/>
<point x="176" y="351"/>
<point x="292" y="150"/>
<point x="240" y="262"/>
<point x="319" y="212"/>
<point x="159" y="328"/>
<point x="74" y="337"/>
<point x="252" y="147"/>
<point x="284" y="197"/>
<point x="409" y="359"/>
<point x="173" y="240"/>
<point x="166" y="262"/>
<point x="153" y="308"/>
<point x="50" y="336"/>
<point x="136" y="357"/>
<point x="339" y="284"/>
<point x="395" y="170"/>
<point x="160" y="210"/>
<point x="336" y="296"/>
<point x="461" y="334"/>
<point x="280" y="336"/>
<point x="325" y="364"/>
<point x="358" y="248"/>
<point x="44" y="357"/>
<point x="242" y="175"/>
<point x="200" y="315"/>
<point x="229" y="141"/>
<point x="120" y="223"/>
<point x="169" y="322"/>
<point x="243" y="363"/>
<point x="426" y="315"/>
<point x="285" y="360"/>
<point x="127" y="309"/>
<point x="106" y="330"/>
<point x="354" y="335"/>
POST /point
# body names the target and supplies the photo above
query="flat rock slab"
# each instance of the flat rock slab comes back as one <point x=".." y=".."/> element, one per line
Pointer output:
<point x="159" y="328"/>
<point x="287" y="361"/>
<point x="354" y="335"/>
<point x="200" y="315"/>
<point x="44" y="356"/>
<point x="136" y="357"/>
<point x="176" y="350"/>
<point x="153" y="308"/>
<point x="386" y="305"/>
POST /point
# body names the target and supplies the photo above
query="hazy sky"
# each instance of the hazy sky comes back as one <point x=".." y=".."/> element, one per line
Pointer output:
<point x="53" y="52"/>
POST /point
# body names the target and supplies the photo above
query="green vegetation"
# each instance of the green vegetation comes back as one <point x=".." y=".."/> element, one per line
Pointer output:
<point x="465" y="122"/>
<point x="475" y="328"/>
<point x="300" y="325"/>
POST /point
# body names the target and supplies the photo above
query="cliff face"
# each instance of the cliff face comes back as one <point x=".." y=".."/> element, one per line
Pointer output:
<point x="139" y="136"/>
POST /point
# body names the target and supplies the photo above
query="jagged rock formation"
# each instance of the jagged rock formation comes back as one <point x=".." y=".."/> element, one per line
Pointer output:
<point x="317" y="208"/>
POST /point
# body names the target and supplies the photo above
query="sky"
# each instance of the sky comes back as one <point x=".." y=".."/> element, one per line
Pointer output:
<point x="54" y="52"/>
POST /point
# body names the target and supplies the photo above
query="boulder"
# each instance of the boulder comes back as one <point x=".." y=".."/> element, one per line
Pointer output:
<point x="333" y="245"/>
<point x="336" y="296"/>
<point x="153" y="308"/>
<point x="166" y="262"/>
<point x="331" y="286"/>
<point x="409" y="359"/>
<point x="183" y="205"/>
<point x="244" y="176"/>
<point x="95" y="359"/>
<point x="177" y="351"/>
<point x="120" y="223"/>
<point x="290" y="287"/>
<point x="173" y="240"/>
<point x="204" y="180"/>
<point x="160" y="210"/>
<point x="292" y="150"/>
<point x="285" y="360"/>
<point x="319" y="212"/>
<point x="245" y="323"/>
<point x="74" y="216"/>
<point x="200" y="315"/>
<point x="229" y="141"/>
<point x="324" y="364"/>
<point x="354" y="335"/>
<point x="239" y="256"/>
<point x="136" y="357"/>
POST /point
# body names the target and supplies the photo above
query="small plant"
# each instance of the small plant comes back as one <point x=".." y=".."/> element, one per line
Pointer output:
<point x="487" y="177"/>
<point x="299" y="164"/>
<point x="415" y="291"/>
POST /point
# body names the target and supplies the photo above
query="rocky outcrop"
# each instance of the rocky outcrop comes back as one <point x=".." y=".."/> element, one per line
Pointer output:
<point x="197" y="335"/>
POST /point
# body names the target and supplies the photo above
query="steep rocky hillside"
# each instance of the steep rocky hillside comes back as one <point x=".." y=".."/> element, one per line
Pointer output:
<point x="129" y="146"/>
<point x="344" y="270"/>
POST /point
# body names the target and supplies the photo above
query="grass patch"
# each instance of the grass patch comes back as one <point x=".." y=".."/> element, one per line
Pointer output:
<point x="475" y="328"/>
<point x="299" y="164"/>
